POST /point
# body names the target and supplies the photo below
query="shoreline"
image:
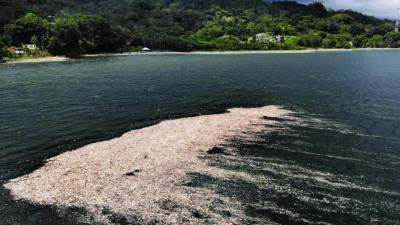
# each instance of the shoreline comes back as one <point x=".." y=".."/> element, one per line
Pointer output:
<point x="39" y="60"/>
<point x="229" y="52"/>
<point x="160" y="53"/>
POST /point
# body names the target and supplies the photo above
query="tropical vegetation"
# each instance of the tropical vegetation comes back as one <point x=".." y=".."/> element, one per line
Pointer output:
<point x="75" y="27"/>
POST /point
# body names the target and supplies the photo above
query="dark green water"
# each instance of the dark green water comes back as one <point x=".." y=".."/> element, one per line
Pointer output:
<point x="342" y="166"/>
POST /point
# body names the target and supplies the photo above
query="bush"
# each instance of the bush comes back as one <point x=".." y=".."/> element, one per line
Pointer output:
<point x="329" y="42"/>
<point x="393" y="39"/>
<point x="343" y="41"/>
<point x="312" y="40"/>
<point x="377" y="41"/>
<point x="360" y="41"/>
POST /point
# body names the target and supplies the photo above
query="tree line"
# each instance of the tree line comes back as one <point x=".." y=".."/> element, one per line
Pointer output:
<point x="78" y="27"/>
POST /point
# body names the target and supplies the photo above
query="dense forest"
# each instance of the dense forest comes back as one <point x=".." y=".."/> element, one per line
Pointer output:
<point x="75" y="27"/>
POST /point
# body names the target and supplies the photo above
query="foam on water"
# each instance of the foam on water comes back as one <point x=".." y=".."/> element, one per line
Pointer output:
<point x="305" y="183"/>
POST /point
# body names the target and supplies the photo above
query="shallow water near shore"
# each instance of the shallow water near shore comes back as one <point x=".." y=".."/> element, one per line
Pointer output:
<point x="340" y="165"/>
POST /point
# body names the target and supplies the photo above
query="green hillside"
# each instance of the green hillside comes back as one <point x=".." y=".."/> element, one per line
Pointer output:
<point x="95" y="26"/>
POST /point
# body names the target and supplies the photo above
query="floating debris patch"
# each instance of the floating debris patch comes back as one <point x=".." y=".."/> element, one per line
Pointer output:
<point x="161" y="159"/>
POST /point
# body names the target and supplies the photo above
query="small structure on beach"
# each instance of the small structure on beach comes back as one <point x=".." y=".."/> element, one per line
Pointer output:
<point x="146" y="49"/>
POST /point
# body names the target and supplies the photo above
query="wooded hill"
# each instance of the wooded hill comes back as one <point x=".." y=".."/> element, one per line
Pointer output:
<point x="73" y="27"/>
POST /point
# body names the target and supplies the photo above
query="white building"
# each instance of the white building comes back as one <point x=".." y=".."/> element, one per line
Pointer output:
<point x="263" y="37"/>
<point x="19" y="51"/>
<point x="31" y="47"/>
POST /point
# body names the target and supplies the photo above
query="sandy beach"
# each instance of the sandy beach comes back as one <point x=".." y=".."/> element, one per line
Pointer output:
<point x="142" y="172"/>
<point x="240" y="52"/>
<point x="39" y="60"/>
<point x="157" y="53"/>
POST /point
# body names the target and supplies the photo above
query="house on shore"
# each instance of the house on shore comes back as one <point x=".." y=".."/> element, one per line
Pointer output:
<point x="31" y="47"/>
<point x="16" y="51"/>
<point x="264" y="37"/>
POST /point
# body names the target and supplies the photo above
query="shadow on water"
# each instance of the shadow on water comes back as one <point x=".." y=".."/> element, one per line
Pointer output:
<point x="304" y="181"/>
<point x="33" y="214"/>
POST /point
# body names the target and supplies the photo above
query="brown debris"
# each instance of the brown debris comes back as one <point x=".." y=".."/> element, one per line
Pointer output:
<point x="141" y="172"/>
